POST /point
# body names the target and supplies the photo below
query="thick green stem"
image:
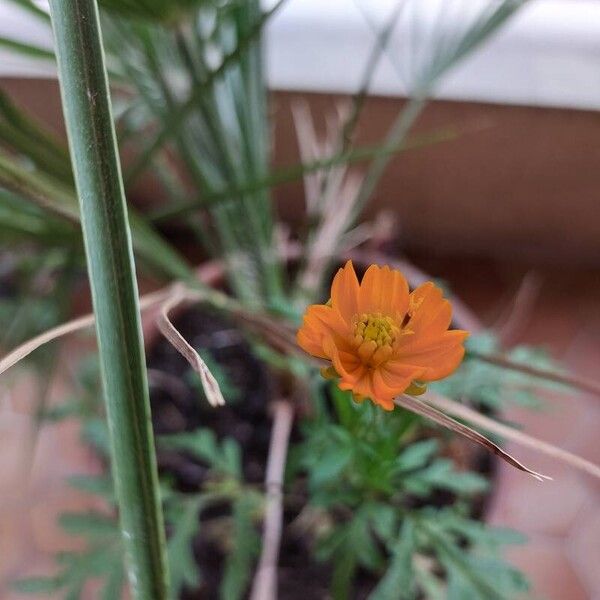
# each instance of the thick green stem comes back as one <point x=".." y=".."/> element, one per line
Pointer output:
<point x="107" y="237"/>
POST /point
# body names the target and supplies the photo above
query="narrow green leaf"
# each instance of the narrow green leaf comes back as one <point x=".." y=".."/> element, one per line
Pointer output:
<point x="177" y="118"/>
<point x="246" y="544"/>
<point x="397" y="583"/>
<point x="34" y="141"/>
<point x="26" y="49"/>
<point x="114" y="582"/>
<point x="184" y="521"/>
<point x="456" y="562"/>
<point x="61" y="201"/>
<point x="37" y="585"/>
<point x="344" y="570"/>
<point x="431" y="585"/>
<point x="417" y="454"/>
<point x="441" y="474"/>
<point x="89" y="524"/>
<point x="100" y="486"/>
<point x="296" y="172"/>
<point x="224" y="458"/>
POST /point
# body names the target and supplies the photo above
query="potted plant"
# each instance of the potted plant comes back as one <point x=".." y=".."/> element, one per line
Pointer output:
<point x="273" y="479"/>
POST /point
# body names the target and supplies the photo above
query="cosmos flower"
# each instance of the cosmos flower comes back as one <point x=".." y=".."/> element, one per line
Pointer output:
<point x="382" y="341"/>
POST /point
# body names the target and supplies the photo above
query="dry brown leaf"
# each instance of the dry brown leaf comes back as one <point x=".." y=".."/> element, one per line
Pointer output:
<point x="22" y="351"/>
<point x="421" y="408"/>
<point x="209" y="383"/>
<point x="264" y="585"/>
<point x="583" y="384"/>
<point x="468" y="414"/>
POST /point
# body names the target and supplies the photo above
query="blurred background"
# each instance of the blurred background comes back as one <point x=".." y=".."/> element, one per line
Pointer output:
<point x="507" y="208"/>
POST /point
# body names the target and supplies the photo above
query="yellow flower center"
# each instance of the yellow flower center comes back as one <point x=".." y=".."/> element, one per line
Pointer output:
<point x="374" y="337"/>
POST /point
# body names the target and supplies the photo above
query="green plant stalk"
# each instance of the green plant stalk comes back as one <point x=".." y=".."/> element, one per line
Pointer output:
<point x="109" y="252"/>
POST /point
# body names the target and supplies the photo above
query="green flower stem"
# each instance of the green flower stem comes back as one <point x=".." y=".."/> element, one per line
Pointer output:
<point x="92" y="142"/>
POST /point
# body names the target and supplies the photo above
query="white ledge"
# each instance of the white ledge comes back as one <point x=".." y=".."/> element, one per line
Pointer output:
<point x="546" y="55"/>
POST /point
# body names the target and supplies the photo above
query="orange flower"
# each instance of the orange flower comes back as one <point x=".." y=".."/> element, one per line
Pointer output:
<point x="382" y="340"/>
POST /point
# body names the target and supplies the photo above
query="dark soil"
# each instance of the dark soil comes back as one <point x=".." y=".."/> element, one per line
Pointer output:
<point x="177" y="407"/>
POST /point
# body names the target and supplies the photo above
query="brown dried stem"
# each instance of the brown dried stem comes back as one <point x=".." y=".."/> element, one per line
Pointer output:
<point x="264" y="586"/>
<point x="22" y="351"/>
<point x="581" y="383"/>
<point x="468" y="414"/>
<point x="520" y="308"/>
<point x="422" y="408"/>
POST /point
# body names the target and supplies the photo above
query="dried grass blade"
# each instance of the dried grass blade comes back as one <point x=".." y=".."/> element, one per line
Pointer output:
<point x="425" y="410"/>
<point x="209" y="383"/>
<point x="22" y="351"/>
<point x="264" y="586"/>
<point x="25" y="349"/>
<point x="468" y="414"/>
<point x="580" y="383"/>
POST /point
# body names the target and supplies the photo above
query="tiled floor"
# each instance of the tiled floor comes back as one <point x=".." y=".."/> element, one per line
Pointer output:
<point x="561" y="518"/>
<point x="32" y="489"/>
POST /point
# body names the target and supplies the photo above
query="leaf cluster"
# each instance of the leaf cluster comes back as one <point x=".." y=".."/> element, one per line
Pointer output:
<point x="385" y="501"/>
<point x="191" y="107"/>
<point x="491" y="386"/>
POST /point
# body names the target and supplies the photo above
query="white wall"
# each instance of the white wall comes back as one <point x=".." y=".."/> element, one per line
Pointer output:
<point x="547" y="55"/>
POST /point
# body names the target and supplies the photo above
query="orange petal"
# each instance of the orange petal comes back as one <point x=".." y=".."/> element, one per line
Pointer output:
<point x="346" y="362"/>
<point x="395" y="292"/>
<point x="321" y="321"/>
<point x="431" y="312"/>
<point x="344" y="292"/>
<point x="361" y="384"/>
<point x="381" y="388"/>
<point x="311" y="342"/>
<point x="380" y="393"/>
<point x="425" y="342"/>
<point x="438" y="359"/>
<point x="387" y="404"/>
<point x="373" y="384"/>
<point x="383" y="290"/>
<point x="397" y="376"/>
